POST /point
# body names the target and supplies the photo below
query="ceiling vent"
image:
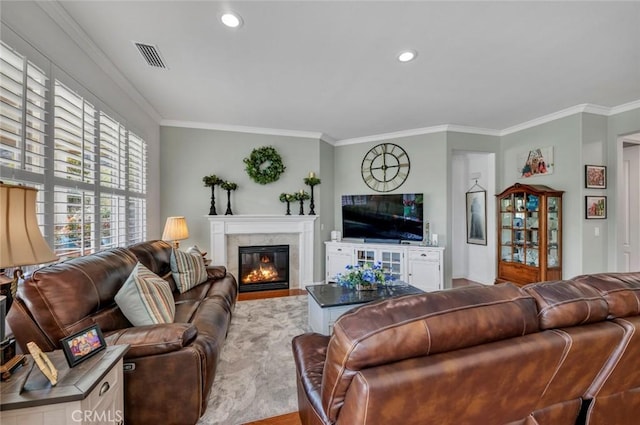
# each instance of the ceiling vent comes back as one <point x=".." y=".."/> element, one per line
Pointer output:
<point x="151" y="55"/>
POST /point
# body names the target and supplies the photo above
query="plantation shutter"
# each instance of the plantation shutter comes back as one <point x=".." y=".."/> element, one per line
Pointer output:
<point x="23" y="98"/>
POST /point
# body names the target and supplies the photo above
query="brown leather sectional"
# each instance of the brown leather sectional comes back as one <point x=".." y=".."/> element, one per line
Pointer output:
<point x="169" y="368"/>
<point x="554" y="353"/>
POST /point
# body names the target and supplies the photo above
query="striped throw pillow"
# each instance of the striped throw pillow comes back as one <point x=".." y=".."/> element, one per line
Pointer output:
<point x="145" y="298"/>
<point x="188" y="270"/>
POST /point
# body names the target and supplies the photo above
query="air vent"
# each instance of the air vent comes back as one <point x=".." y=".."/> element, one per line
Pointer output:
<point x="151" y="55"/>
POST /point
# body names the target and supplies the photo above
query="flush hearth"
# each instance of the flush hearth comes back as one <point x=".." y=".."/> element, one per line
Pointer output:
<point x="263" y="268"/>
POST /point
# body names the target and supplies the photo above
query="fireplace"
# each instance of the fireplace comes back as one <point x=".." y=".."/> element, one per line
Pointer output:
<point x="262" y="268"/>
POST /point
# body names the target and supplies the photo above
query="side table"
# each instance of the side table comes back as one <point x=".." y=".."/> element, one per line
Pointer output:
<point x="90" y="393"/>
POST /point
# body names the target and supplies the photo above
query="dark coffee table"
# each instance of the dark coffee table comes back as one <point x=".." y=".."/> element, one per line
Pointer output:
<point x="328" y="302"/>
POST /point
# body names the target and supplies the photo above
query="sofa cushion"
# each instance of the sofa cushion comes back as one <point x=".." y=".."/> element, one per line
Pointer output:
<point x="421" y="325"/>
<point x="620" y="290"/>
<point x="562" y="304"/>
<point x="145" y="298"/>
<point x="188" y="270"/>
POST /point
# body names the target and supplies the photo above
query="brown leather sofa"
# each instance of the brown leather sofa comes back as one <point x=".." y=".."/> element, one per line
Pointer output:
<point x="169" y="368"/>
<point x="556" y="353"/>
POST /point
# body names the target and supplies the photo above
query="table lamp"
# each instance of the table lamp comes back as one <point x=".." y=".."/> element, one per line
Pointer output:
<point x="21" y="244"/>
<point x="175" y="229"/>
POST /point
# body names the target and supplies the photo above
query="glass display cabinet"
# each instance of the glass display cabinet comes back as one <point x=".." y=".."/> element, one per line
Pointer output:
<point x="529" y="234"/>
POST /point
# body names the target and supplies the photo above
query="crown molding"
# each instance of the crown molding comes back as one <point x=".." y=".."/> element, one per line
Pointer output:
<point x="60" y="16"/>
<point x="583" y="108"/>
<point x="626" y="107"/>
<point x="245" y="129"/>
<point x="418" y="132"/>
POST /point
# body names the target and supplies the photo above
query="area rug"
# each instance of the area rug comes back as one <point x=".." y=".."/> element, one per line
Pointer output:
<point x="256" y="373"/>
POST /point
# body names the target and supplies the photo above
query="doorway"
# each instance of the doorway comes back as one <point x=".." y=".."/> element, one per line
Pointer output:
<point x="473" y="262"/>
<point x="629" y="204"/>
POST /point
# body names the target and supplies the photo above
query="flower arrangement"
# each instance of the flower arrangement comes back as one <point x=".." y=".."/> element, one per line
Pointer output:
<point x="212" y="180"/>
<point x="227" y="185"/>
<point x="366" y="276"/>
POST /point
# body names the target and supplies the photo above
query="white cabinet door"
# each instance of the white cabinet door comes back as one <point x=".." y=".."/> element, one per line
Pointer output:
<point x="424" y="270"/>
<point x="338" y="258"/>
<point x="392" y="263"/>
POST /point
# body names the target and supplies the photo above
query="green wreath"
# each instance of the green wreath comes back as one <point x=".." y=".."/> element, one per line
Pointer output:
<point x="264" y="165"/>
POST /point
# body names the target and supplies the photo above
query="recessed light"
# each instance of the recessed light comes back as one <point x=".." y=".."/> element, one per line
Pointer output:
<point x="407" y="55"/>
<point x="231" y="20"/>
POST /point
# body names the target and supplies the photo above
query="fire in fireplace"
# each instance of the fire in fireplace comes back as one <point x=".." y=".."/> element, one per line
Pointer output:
<point x="263" y="268"/>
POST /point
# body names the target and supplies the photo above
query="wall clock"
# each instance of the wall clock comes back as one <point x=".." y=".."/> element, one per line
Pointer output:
<point x="385" y="167"/>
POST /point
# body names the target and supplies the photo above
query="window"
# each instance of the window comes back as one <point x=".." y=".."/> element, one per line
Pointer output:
<point x="112" y="153"/>
<point x="74" y="134"/>
<point x="22" y="109"/>
<point x="96" y="192"/>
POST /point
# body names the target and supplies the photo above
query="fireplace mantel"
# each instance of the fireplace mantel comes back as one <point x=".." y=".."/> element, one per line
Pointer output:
<point x="303" y="225"/>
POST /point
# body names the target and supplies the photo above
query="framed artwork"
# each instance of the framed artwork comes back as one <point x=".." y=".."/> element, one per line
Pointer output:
<point x="82" y="345"/>
<point x="595" y="176"/>
<point x="595" y="207"/>
<point x="536" y="162"/>
<point x="477" y="217"/>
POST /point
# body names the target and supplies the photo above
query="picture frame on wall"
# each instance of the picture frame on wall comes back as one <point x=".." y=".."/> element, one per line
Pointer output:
<point x="82" y="345"/>
<point x="595" y="177"/>
<point x="477" y="217"/>
<point x="595" y="207"/>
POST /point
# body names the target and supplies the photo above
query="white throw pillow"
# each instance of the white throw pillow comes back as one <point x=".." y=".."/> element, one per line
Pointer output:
<point x="188" y="270"/>
<point x="146" y="298"/>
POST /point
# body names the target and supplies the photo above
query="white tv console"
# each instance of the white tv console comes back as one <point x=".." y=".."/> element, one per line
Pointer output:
<point x="419" y="266"/>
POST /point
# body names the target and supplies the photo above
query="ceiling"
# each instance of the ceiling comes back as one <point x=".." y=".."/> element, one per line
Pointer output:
<point x="330" y="66"/>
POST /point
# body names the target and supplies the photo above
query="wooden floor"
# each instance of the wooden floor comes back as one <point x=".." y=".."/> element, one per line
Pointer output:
<point x="293" y="418"/>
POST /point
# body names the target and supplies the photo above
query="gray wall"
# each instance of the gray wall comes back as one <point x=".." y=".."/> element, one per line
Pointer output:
<point x="188" y="154"/>
<point x="565" y="137"/>
<point x="594" y="152"/>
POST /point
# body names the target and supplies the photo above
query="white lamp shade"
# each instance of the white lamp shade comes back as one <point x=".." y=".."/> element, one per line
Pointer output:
<point x="21" y="242"/>
<point x="175" y="229"/>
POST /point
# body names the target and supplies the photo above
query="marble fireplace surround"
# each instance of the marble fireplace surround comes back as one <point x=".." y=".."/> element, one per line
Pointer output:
<point x="257" y="226"/>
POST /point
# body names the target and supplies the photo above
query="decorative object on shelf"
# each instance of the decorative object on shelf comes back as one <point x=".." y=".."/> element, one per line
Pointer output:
<point x="595" y="207"/>
<point x="287" y="197"/>
<point x="364" y="277"/>
<point x="385" y="167"/>
<point x="82" y="345"/>
<point x="228" y="186"/>
<point x="595" y="177"/>
<point x="21" y="244"/>
<point x="175" y="230"/>
<point x="44" y="364"/>
<point x="301" y="196"/>
<point x="532" y="203"/>
<point x="212" y="181"/>
<point x="264" y="165"/>
<point x="536" y="162"/>
<point x="476" y="215"/>
<point x="311" y="181"/>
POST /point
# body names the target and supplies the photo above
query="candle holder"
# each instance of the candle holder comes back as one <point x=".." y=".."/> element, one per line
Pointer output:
<point x="287" y="197"/>
<point x="212" y="181"/>
<point x="311" y="181"/>
<point x="228" y="186"/>
<point x="302" y="196"/>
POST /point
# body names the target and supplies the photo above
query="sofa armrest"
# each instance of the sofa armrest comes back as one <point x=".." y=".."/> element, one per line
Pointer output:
<point x="216" y="272"/>
<point x="154" y="339"/>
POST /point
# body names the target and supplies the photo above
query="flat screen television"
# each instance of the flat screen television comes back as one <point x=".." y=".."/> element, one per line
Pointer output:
<point x="392" y="217"/>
